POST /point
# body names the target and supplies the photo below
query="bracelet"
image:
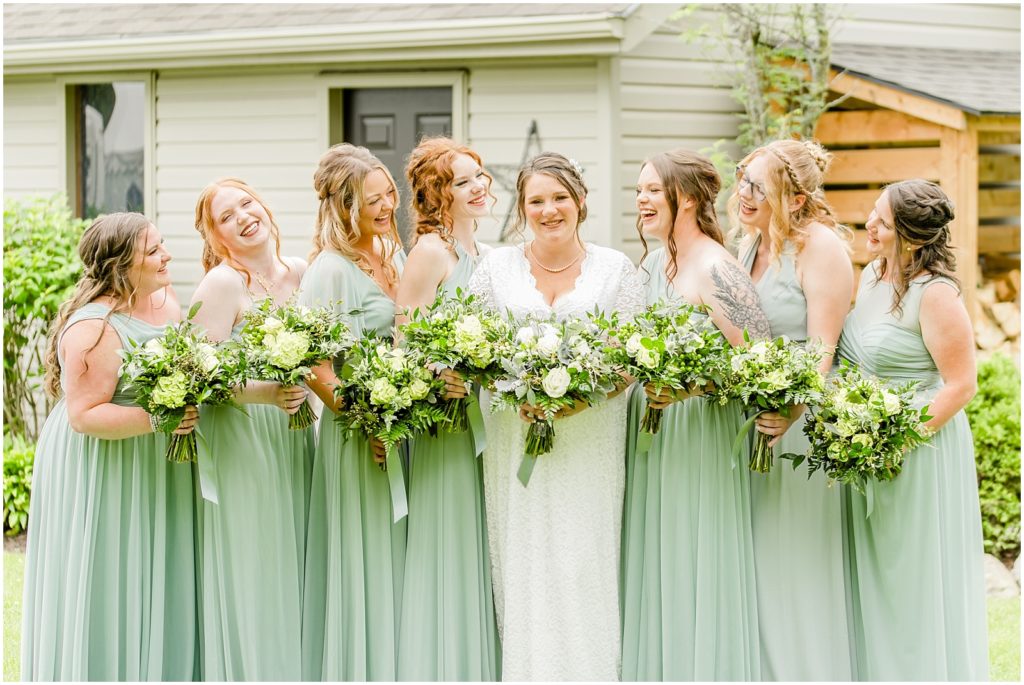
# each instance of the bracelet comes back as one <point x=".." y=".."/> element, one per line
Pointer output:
<point x="154" y="423"/>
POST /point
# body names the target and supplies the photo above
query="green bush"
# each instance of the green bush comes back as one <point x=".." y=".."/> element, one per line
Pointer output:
<point x="994" y="414"/>
<point x="19" y="455"/>
<point x="41" y="267"/>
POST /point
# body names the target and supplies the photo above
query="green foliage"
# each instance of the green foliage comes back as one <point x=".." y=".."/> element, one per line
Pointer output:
<point x="41" y="268"/>
<point x="994" y="414"/>
<point x="19" y="455"/>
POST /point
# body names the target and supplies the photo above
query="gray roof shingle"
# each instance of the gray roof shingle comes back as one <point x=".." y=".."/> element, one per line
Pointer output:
<point x="976" y="81"/>
<point x="25" y="23"/>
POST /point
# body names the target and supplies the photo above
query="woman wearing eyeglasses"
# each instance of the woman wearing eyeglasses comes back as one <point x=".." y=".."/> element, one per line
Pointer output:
<point x="797" y="255"/>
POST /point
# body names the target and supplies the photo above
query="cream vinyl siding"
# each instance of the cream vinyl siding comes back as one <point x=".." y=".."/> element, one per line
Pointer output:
<point x="963" y="26"/>
<point x="33" y="134"/>
<point x="262" y="128"/>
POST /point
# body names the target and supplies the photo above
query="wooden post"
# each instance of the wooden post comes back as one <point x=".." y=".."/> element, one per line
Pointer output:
<point x="958" y="176"/>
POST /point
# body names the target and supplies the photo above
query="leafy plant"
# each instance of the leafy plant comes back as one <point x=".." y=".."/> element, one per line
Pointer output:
<point x="41" y="268"/>
<point x="19" y="455"/>
<point x="994" y="414"/>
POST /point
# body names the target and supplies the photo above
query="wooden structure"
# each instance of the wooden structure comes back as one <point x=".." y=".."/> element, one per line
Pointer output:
<point x="922" y="113"/>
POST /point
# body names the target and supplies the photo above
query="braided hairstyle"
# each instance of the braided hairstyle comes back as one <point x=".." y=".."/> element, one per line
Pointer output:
<point x="686" y="173"/>
<point x="793" y="167"/>
<point x="107" y="249"/>
<point x="430" y="175"/>
<point x="564" y="170"/>
<point x="921" y="215"/>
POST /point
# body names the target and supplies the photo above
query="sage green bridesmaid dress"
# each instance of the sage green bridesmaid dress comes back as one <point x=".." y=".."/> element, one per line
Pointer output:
<point x="797" y="526"/>
<point x="355" y="554"/>
<point x="253" y="541"/>
<point x="110" y="589"/>
<point x="916" y="580"/>
<point x="688" y="589"/>
<point x="448" y="630"/>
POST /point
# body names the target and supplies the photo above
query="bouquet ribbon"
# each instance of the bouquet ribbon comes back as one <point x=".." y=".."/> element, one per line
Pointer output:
<point x="869" y="495"/>
<point x="207" y="472"/>
<point x="396" y="482"/>
<point x="526" y="468"/>
<point x="476" y="425"/>
<point x="740" y="442"/>
<point x="644" y="440"/>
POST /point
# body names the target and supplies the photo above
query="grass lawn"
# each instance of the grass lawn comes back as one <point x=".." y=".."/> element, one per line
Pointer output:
<point x="1003" y="627"/>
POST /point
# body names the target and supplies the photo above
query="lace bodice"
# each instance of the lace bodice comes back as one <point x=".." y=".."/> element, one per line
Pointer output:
<point x="607" y="278"/>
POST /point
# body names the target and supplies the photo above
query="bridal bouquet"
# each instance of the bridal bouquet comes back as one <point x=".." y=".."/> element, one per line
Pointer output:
<point x="178" y="369"/>
<point x="284" y="343"/>
<point x="552" y="365"/>
<point x="669" y="346"/>
<point x="772" y="375"/>
<point x="862" y="428"/>
<point x="457" y="333"/>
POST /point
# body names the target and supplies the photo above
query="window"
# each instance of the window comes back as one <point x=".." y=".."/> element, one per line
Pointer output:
<point x="108" y="123"/>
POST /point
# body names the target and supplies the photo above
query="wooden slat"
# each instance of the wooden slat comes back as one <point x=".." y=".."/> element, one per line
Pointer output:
<point x="999" y="137"/>
<point x="898" y="100"/>
<point x="994" y="168"/>
<point x="860" y="254"/>
<point x="852" y="206"/>
<point x="884" y="166"/>
<point x="873" y="126"/>
<point x="960" y="182"/>
<point x="998" y="203"/>
<point x="999" y="122"/>
<point x="998" y="239"/>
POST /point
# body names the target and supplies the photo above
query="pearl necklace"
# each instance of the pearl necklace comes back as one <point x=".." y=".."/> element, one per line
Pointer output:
<point x="549" y="269"/>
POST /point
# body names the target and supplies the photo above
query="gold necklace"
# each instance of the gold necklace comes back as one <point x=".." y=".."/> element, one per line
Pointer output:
<point x="267" y="287"/>
<point x="549" y="269"/>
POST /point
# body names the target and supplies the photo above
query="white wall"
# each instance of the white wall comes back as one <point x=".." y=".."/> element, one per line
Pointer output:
<point x="32" y="134"/>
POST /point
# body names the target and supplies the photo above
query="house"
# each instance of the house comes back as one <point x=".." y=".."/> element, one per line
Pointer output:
<point x="142" y="105"/>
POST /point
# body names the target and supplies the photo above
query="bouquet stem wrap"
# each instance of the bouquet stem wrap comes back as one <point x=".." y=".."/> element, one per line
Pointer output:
<point x="303" y="418"/>
<point x="396" y="482"/>
<point x="476" y="425"/>
<point x="540" y="439"/>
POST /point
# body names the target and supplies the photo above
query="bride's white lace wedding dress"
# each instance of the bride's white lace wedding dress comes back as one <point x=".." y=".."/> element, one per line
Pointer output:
<point x="555" y="544"/>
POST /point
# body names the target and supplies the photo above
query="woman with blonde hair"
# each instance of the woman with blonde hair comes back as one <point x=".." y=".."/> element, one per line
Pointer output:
<point x="355" y="553"/>
<point x="110" y="590"/>
<point x="448" y="631"/>
<point x="254" y="471"/>
<point x="796" y="252"/>
<point x="689" y="600"/>
<point x="914" y="547"/>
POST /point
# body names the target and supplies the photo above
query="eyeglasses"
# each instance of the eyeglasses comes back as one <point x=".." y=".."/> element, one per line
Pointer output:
<point x="743" y="181"/>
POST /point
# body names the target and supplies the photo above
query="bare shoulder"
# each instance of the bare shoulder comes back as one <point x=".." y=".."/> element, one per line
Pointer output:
<point x="431" y="245"/>
<point x="296" y="264"/>
<point x="941" y="294"/>
<point x="83" y="334"/>
<point x="822" y="241"/>
<point x="223" y="279"/>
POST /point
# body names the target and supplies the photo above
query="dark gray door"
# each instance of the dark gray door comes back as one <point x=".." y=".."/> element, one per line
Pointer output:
<point x="390" y="122"/>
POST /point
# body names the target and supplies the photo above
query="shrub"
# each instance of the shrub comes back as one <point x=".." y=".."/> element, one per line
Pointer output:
<point x="19" y="455"/>
<point x="994" y="414"/>
<point x="41" y="267"/>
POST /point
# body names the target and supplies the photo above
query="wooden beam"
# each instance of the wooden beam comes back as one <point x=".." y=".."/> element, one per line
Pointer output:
<point x="859" y="247"/>
<point x="996" y="168"/>
<point x="884" y="166"/>
<point x="896" y="99"/>
<point x="998" y="203"/>
<point x="998" y="239"/>
<point x="873" y="126"/>
<point x="999" y="137"/>
<point x="852" y="206"/>
<point x="959" y="178"/>
<point x="999" y="122"/>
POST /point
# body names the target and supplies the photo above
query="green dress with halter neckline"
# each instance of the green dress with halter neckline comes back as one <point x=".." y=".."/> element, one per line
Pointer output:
<point x="448" y="630"/>
<point x="689" y="607"/>
<point x="355" y="553"/>
<point x="915" y="578"/>
<point x="110" y="588"/>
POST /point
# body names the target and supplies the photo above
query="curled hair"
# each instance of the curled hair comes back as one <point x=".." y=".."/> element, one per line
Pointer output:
<point x="559" y="167"/>
<point x="339" y="181"/>
<point x="107" y="250"/>
<point x="214" y="250"/>
<point x="689" y="174"/>
<point x="430" y="175"/>
<point x="792" y="167"/>
<point x="921" y="214"/>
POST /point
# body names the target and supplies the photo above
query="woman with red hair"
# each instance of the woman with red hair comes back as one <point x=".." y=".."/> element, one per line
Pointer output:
<point x="447" y="630"/>
<point x="254" y="470"/>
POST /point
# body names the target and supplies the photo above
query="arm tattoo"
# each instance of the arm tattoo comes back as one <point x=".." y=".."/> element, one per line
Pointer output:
<point x="741" y="305"/>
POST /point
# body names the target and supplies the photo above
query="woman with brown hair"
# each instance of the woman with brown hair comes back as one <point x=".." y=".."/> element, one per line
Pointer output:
<point x="796" y="252"/>
<point x="914" y="544"/>
<point x="689" y="600"/>
<point x="110" y="590"/>
<point x="447" y="629"/>
<point x="355" y="553"/>
<point x="254" y="470"/>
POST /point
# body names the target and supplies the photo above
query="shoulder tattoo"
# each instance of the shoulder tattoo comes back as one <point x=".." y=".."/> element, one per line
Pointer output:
<point x="740" y="303"/>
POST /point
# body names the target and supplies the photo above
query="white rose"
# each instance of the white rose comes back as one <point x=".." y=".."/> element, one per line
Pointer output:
<point x="892" y="403"/>
<point x="382" y="392"/>
<point x="525" y="335"/>
<point x="582" y="349"/>
<point x="208" y="358"/>
<point x="271" y="325"/>
<point x="556" y="382"/>
<point x="156" y="347"/>
<point x="470" y="326"/>
<point x="648" y="358"/>
<point x="634" y="344"/>
<point x="549" y="343"/>
<point x="418" y="389"/>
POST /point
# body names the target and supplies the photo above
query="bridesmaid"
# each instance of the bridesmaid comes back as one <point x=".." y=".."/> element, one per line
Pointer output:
<point x="110" y="573"/>
<point x="794" y="249"/>
<point x="448" y="631"/>
<point x="355" y="557"/>
<point x="254" y="471"/>
<point x="689" y="606"/>
<point x="915" y="553"/>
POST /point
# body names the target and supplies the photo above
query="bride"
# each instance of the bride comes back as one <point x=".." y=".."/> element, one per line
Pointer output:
<point x="555" y="544"/>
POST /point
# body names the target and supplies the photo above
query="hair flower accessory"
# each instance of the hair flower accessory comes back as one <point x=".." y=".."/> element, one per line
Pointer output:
<point x="576" y="167"/>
